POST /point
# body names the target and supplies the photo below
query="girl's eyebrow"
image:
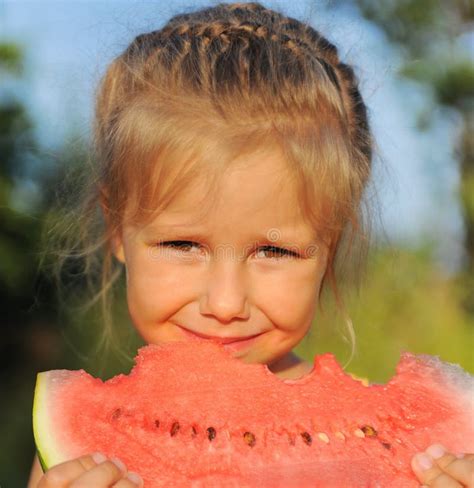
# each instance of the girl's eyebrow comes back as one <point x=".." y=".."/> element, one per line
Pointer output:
<point x="185" y="230"/>
<point x="273" y="234"/>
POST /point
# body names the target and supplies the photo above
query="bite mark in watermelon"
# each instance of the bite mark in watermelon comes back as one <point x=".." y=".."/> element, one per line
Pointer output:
<point x="188" y="414"/>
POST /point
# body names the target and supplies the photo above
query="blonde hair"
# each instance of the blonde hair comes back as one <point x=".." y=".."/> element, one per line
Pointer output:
<point x="191" y="97"/>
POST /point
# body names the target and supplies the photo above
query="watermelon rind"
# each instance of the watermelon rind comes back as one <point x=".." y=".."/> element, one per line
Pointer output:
<point x="44" y="467"/>
<point x="48" y="452"/>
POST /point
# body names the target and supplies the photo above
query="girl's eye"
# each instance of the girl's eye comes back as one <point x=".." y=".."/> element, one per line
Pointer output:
<point x="179" y="245"/>
<point x="277" y="252"/>
<point x="268" y="251"/>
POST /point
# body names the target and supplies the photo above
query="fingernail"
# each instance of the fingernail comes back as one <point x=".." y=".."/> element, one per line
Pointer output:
<point x="423" y="461"/>
<point x="436" y="451"/>
<point x="119" y="464"/>
<point x="98" y="457"/>
<point x="134" y="478"/>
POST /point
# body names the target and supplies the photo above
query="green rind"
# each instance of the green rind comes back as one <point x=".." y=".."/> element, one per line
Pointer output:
<point x="44" y="467"/>
<point x="47" y="454"/>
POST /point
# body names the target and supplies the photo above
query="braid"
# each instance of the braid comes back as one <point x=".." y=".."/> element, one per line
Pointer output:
<point x="189" y="39"/>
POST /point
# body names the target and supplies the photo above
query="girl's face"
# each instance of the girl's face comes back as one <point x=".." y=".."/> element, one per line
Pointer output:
<point x="245" y="272"/>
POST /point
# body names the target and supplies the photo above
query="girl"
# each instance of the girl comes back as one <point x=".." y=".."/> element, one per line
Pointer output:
<point x="233" y="152"/>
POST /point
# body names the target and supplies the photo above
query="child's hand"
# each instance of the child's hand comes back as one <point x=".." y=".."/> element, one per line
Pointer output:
<point x="438" y="468"/>
<point x="87" y="471"/>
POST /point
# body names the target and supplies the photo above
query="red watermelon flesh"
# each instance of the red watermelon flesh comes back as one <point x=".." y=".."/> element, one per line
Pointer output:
<point x="188" y="414"/>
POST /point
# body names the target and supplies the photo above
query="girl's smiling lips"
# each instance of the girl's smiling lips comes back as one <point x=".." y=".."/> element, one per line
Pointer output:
<point x="221" y="340"/>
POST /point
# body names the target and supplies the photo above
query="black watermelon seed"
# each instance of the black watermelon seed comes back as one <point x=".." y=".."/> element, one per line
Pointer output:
<point x="116" y="413"/>
<point x="249" y="439"/>
<point x="211" y="433"/>
<point x="157" y="424"/>
<point x="174" y="429"/>
<point x="386" y="445"/>
<point x="307" y="438"/>
<point x="369" y="431"/>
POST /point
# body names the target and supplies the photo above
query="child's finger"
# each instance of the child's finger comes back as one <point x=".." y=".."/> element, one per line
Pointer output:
<point x="430" y="474"/>
<point x="437" y="467"/>
<point x="64" y="473"/>
<point x="101" y="475"/>
<point x="461" y="469"/>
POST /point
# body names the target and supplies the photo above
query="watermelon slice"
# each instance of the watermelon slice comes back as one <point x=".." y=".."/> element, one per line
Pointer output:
<point x="189" y="414"/>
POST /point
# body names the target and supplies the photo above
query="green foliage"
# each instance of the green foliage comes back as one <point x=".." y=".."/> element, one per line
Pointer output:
<point x="453" y="83"/>
<point x="416" y="24"/>
<point x="29" y="334"/>
<point x="456" y="84"/>
<point x="11" y="58"/>
<point x="467" y="195"/>
<point x="428" y="31"/>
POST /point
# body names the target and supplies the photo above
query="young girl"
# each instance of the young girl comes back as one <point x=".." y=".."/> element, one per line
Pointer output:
<point x="233" y="151"/>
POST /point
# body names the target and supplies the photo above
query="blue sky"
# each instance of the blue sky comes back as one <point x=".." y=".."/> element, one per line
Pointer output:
<point x="68" y="44"/>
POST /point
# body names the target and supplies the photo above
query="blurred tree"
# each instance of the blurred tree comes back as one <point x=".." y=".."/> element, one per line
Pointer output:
<point x="432" y="33"/>
<point x="21" y="224"/>
<point x="29" y="334"/>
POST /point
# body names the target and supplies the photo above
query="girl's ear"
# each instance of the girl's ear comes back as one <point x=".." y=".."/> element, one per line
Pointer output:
<point x="117" y="248"/>
<point x="116" y="241"/>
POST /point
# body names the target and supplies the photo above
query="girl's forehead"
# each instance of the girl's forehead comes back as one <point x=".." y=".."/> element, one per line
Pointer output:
<point x="256" y="193"/>
<point x="251" y="184"/>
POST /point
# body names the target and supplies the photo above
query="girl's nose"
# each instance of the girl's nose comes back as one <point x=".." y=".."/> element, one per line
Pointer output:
<point x="225" y="293"/>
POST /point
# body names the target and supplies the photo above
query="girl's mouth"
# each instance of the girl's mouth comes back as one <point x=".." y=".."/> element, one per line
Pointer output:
<point x="230" y="343"/>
